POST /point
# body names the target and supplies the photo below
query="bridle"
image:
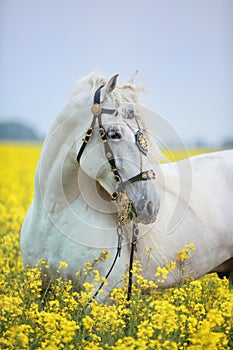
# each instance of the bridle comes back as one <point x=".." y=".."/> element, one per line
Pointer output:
<point x="141" y="143"/>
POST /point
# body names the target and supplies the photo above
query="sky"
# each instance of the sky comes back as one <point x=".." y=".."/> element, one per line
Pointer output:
<point x="182" y="49"/>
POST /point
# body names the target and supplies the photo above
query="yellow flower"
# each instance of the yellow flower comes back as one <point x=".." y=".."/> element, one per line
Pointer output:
<point x="63" y="265"/>
<point x="88" y="286"/>
<point x="42" y="261"/>
<point x="148" y="250"/>
<point x="104" y="255"/>
<point x="196" y="316"/>
<point x="162" y="272"/>
<point x="19" y="335"/>
<point x="88" y="322"/>
<point x="184" y="254"/>
<point x="88" y="266"/>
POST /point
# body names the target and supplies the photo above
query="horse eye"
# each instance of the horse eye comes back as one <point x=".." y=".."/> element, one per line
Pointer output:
<point x="114" y="134"/>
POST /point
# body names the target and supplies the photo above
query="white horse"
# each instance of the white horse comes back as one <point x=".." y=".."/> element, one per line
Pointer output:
<point x="73" y="217"/>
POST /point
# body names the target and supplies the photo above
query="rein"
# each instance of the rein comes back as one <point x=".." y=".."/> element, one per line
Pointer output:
<point x="141" y="143"/>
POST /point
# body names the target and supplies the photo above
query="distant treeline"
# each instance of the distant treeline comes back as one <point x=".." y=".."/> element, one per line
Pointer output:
<point x="228" y="143"/>
<point x="17" y="131"/>
<point x="20" y="131"/>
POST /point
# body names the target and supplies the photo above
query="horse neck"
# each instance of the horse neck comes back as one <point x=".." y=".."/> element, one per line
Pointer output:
<point x="56" y="176"/>
<point x="61" y="181"/>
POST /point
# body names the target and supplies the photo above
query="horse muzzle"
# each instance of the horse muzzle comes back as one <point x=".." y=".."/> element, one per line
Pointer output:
<point x="138" y="201"/>
<point x="147" y="210"/>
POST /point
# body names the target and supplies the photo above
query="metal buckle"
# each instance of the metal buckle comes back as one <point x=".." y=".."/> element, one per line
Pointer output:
<point x="101" y="132"/>
<point x="117" y="178"/>
<point x="89" y="132"/>
<point x="114" y="195"/>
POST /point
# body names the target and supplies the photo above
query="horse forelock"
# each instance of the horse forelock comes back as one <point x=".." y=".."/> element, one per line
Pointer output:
<point x="126" y="93"/>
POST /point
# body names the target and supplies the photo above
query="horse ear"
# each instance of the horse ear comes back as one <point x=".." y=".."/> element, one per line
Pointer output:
<point x="109" y="87"/>
<point x="131" y="80"/>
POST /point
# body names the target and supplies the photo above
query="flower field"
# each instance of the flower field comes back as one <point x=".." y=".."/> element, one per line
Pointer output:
<point x="197" y="315"/>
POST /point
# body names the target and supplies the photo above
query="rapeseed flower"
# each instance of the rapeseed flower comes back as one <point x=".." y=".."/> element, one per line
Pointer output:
<point x="63" y="265"/>
<point x="197" y="315"/>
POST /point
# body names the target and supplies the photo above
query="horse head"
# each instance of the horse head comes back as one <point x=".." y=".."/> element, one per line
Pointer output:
<point x="114" y="150"/>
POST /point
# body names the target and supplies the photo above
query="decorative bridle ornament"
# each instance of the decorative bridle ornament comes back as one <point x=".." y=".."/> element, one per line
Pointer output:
<point x="126" y="212"/>
<point x="141" y="142"/>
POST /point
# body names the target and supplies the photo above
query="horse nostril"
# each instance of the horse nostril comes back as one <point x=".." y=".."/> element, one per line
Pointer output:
<point x="150" y="208"/>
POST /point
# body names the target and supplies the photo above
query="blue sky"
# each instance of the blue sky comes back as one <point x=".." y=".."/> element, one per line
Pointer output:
<point x="182" y="49"/>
